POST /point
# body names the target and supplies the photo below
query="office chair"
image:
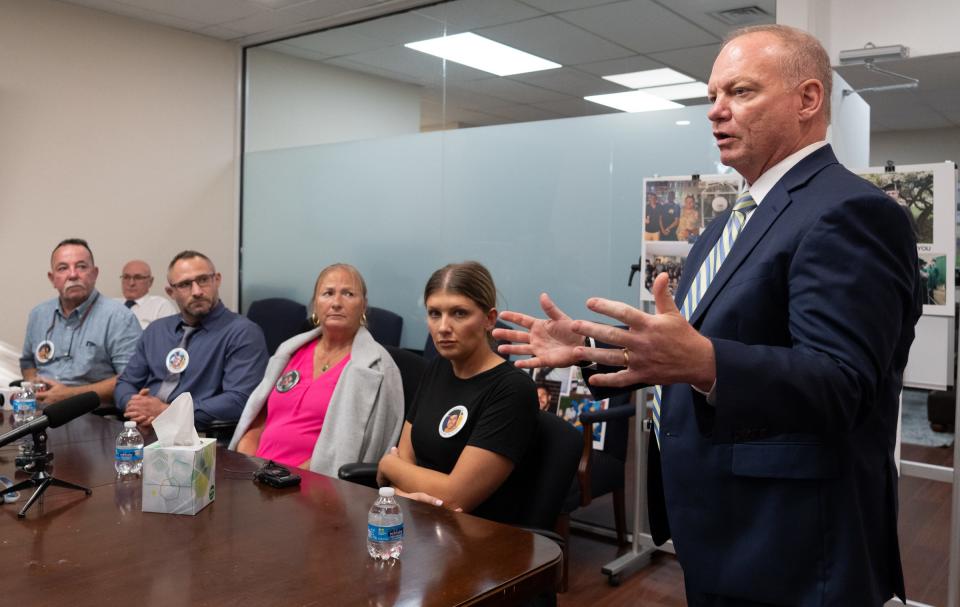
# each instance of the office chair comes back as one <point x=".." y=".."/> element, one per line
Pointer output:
<point x="604" y="471"/>
<point x="279" y="318"/>
<point x="411" y="368"/>
<point x="385" y="326"/>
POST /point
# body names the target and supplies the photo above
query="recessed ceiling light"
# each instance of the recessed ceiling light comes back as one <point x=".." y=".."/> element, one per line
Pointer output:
<point x="648" y="78"/>
<point x="691" y="90"/>
<point x="633" y="101"/>
<point x="483" y="54"/>
<point x="682" y="123"/>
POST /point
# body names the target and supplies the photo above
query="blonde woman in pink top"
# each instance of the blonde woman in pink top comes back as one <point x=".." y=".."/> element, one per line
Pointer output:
<point x="330" y="396"/>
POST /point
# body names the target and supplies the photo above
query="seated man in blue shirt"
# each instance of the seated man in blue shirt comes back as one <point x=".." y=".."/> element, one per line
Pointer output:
<point x="216" y="355"/>
<point x="79" y="341"/>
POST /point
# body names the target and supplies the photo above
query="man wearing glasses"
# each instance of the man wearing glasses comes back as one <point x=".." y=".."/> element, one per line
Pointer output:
<point x="216" y="355"/>
<point x="135" y="282"/>
<point x="80" y="340"/>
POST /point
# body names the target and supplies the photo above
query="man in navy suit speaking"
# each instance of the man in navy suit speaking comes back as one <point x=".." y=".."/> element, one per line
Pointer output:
<point x="776" y="370"/>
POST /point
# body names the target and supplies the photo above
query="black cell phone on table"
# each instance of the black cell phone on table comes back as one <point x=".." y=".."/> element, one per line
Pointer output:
<point x="276" y="475"/>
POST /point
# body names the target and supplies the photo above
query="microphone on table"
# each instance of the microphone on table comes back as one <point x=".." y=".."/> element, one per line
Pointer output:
<point x="55" y="415"/>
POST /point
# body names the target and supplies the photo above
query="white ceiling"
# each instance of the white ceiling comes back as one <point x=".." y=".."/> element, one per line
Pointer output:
<point x="590" y="38"/>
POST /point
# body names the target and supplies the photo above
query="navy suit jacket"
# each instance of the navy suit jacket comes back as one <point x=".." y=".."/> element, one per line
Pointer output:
<point x="785" y="490"/>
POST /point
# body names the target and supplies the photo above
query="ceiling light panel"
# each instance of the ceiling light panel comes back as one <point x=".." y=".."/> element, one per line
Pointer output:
<point x="690" y="90"/>
<point x="649" y="78"/>
<point x="634" y="101"/>
<point x="483" y="54"/>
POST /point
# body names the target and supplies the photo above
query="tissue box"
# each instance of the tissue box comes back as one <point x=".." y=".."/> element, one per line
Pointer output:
<point x="179" y="480"/>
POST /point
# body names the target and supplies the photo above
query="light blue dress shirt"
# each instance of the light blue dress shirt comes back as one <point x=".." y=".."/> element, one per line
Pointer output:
<point x="93" y="343"/>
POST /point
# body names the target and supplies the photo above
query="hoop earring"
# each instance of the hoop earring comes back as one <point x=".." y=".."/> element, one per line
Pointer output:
<point x="315" y="320"/>
<point x="363" y="319"/>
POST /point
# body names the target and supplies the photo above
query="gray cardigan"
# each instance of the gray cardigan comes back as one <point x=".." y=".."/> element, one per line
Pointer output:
<point x="366" y="409"/>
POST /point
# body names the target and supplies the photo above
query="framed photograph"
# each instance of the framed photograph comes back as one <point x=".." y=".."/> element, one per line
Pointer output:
<point x="663" y="257"/>
<point x="933" y="278"/>
<point x="570" y="408"/>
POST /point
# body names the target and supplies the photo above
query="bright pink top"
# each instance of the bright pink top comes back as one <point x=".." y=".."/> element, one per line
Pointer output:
<point x="295" y="417"/>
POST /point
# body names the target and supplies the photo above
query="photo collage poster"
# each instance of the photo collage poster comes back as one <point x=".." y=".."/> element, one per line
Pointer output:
<point x="927" y="193"/>
<point x="675" y="212"/>
<point x="565" y="393"/>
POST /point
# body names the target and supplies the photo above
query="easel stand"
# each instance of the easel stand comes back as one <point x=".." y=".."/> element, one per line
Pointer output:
<point x="40" y="479"/>
<point x="642" y="546"/>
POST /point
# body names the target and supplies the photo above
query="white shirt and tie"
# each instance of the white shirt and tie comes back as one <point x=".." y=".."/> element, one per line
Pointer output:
<point x="149" y="308"/>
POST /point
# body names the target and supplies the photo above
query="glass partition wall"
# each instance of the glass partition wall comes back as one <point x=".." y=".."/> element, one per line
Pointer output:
<point x="362" y="149"/>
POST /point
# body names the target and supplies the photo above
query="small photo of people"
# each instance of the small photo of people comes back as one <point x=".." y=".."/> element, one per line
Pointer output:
<point x="913" y="191"/>
<point x="655" y="264"/>
<point x="677" y="210"/>
<point x="933" y="278"/>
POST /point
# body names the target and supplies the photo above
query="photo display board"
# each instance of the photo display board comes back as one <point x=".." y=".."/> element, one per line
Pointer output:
<point x="927" y="193"/>
<point x="676" y="210"/>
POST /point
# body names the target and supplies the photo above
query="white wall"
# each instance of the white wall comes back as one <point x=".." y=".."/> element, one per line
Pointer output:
<point x="849" y="131"/>
<point x="295" y="102"/>
<point x="915" y="147"/>
<point x="117" y="131"/>
<point x="926" y="28"/>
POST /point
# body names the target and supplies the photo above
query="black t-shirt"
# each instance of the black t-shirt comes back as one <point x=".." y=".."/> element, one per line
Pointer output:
<point x="500" y="406"/>
<point x="652" y="220"/>
<point x="668" y="214"/>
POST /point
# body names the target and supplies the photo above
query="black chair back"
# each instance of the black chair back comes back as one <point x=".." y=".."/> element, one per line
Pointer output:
<point x="556" y="455"/>
<point x="411" y="368"/>
<point x="279" y="318"/>
<point x="385" y="326"/>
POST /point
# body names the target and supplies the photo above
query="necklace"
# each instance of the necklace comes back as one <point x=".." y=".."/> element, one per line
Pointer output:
<point x="325" y="360"/>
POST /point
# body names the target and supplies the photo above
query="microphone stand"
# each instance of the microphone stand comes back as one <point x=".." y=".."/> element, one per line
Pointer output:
<point x="40" y="479"/>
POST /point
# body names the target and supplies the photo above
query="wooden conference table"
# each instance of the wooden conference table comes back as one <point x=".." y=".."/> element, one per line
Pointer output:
<point x="254" y="545"/>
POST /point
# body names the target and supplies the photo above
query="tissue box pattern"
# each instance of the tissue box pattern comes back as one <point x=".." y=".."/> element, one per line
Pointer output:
<point x="179" y="480"/>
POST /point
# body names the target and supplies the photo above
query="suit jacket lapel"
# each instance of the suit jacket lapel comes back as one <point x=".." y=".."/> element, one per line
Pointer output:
<point x="760" y="222"/>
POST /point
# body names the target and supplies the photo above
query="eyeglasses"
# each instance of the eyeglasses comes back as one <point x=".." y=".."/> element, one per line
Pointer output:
<point x="203" y="281"/>
<point x="134" y="277"/>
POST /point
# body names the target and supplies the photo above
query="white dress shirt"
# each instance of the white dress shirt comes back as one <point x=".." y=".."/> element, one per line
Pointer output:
<point x="151" y="307"/>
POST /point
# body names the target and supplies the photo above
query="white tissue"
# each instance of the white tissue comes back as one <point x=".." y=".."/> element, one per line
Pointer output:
<point x="174" y="427"/>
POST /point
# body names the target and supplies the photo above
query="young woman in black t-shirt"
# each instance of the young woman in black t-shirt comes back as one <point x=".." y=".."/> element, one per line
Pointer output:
<point x="474" y="415"/>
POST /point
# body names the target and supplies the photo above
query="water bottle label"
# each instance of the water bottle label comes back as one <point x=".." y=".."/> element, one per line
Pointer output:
<point x="127" y="454"/>
<point x="376" y="533"/>
<point x="23" y="405"/>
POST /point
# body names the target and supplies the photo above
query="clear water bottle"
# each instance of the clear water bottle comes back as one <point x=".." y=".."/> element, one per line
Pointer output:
<point x="24" y="403"/>
<point x="128" y="458"/>
<point x="385" y="527"/>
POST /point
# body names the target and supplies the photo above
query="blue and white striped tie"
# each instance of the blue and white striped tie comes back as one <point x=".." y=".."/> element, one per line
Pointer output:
<point x="711" y="265"/>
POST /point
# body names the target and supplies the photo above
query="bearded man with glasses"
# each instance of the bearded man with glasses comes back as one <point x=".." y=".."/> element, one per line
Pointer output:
<point x="214" y="354"/>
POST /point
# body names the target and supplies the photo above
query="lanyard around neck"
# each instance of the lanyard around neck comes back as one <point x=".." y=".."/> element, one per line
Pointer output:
<point x="83" y="319"/>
